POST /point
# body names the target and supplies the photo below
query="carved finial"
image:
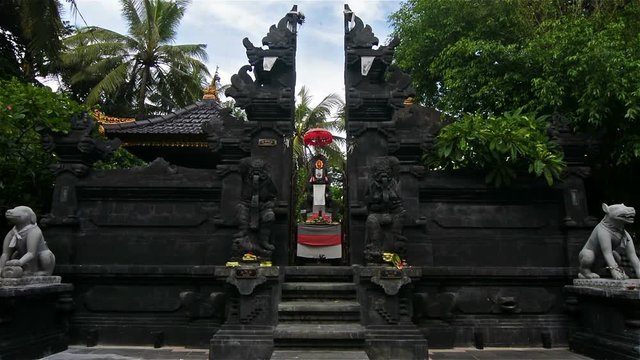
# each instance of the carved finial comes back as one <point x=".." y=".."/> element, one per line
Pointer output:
<point x="283" y="35"/>
<point x="211" y="92"/>
<point x="357" y="35"/>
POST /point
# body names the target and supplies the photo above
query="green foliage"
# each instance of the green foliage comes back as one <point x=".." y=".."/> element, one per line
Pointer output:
<point x="580" y="59"/>
<point x="502" y="145"/>
<point x="26" y="110"/>
<point x="141" y="73"/>
<point x="30" y="37"/>
<point x="120" y="159"/>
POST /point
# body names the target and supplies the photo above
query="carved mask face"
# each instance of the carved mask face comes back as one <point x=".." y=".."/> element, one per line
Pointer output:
<point x="620" y="212"/>
<point x="258" y="169"/>
<point x="382" y="177"/>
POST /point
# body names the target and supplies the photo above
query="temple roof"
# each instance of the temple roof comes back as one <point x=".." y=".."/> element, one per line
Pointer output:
<point x="186" y="121"/>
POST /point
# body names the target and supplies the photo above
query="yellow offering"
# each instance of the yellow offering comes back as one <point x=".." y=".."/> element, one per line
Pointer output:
<point x="394" y="259"/>
<point x="249" y="257"/>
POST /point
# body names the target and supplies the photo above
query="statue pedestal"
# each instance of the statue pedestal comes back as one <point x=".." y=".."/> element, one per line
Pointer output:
<point x="251" y="313"/>
<point x="608" y="318"/>
<point x="34" y="316"/>
<point x="386" y="308"/>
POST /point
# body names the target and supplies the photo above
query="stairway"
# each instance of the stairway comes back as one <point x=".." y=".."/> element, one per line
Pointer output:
<point x="319" y="315"/>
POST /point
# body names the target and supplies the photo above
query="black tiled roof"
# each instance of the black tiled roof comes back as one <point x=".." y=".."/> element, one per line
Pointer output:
<point x="185" y="121"/>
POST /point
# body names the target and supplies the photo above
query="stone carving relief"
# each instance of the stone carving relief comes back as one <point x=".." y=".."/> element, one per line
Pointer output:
<point x="255" y="210"/>
<point x="386" y="212"/>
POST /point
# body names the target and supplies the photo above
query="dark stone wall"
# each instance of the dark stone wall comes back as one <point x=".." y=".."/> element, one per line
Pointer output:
<point x="141" y="253"/>
<point x="493" y="260"/>
<point x="142" y="245"/>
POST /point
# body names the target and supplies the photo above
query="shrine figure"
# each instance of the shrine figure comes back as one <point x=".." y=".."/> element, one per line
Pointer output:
<point x="386" y="212"/>
<point x="255" y="210"/>
<point x="318" y="195"/>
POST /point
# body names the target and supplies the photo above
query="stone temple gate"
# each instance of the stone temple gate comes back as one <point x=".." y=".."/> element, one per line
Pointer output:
<point x="147" y="248"/>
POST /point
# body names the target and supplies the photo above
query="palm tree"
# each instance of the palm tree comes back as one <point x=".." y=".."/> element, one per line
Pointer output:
<point x="142" y="69"/>
<point x="319" y="116"/>
<point x="30" y="37"/>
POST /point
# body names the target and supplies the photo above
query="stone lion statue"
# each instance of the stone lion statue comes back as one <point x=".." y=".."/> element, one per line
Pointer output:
<point x="607" y="240"/>
<point x="24" y="249"/>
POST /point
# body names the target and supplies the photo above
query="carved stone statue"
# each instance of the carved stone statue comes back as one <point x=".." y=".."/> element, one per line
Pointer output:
<point x="255" y="210"/>
<point x="24" y="251"/>
<point x="386" y="213"/>
<point x="607" y="241"/>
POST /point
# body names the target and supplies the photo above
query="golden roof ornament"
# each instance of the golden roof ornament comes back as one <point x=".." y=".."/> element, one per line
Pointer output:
<point x="104" y="119"/>
<point x="408" y="101"/>
<point x="211" y="92"/>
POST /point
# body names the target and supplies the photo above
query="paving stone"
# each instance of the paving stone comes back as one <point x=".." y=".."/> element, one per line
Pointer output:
<point x="129" y="353"/>
<point x="505" y="354"/>
<point x="312" y="354"/>
<point x="167" y="353"/>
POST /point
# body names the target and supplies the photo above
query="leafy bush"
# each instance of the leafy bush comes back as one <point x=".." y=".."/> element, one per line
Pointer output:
<point x="26" y="110"/>
<point x="501" y="145"/>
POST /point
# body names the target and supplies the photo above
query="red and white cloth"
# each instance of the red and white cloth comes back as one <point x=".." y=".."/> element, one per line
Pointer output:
<point x="320" y="241"/>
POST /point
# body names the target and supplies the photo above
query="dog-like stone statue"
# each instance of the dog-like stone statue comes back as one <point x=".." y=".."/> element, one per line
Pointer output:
<point x="24" y="251"/>
<point x="607" y="240"/>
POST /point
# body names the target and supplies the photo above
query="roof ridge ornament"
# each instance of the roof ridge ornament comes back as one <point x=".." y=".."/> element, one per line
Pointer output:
<point x="211" y="91"/>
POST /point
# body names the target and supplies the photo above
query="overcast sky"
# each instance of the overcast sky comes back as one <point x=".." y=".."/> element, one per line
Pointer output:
<point x="222" y="25"/>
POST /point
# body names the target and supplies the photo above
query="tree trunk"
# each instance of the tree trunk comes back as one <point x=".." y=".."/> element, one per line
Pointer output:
<point x="143" y="92"/>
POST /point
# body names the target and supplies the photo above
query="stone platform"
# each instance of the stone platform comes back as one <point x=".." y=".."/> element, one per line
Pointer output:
<point x="606" y="317"/>
<point x="34" y="317"/>
<point x="148" y="353"/>
<point x="30" y="280"/>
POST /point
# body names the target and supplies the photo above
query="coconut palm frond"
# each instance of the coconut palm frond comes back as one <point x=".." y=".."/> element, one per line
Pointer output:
<point x="108" y="84"/>
<point x="159" y="73"/>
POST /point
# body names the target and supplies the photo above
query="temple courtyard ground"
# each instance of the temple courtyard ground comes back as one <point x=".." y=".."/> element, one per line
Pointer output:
<point x="166" y="353"/>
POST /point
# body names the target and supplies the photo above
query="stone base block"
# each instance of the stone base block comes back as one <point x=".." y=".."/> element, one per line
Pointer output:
<point x="396" y="349"/>
<point x="629" y="284"/>
<point x="34" y="320"/>
<point x="606" y="348"/>
<point x="30" y="280"/>
<point x="400" y="342"/>
<point x="240" y="343"/>
<point x="608" y="322"/>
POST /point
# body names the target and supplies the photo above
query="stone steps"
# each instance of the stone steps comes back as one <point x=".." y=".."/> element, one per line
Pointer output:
<point x="318" y="286"/>
<point x="309" y="274"/>
<point x="311" y="306"/>
<point x="319" y="335"/>
<point x="319" y="310"/>
<point x="318" y="290"/>
<point x="310" y="310"/>
<point x="334" y="331"/>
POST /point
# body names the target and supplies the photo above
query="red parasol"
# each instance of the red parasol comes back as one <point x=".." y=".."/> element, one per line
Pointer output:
<point x="318" y="137"/>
